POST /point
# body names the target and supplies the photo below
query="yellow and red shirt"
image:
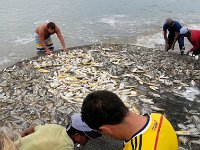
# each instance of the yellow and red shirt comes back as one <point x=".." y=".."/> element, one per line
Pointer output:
<point x="157" y="134"/>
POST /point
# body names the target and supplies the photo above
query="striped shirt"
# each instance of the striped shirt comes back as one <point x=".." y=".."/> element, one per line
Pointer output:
<point x="157" y="134"/>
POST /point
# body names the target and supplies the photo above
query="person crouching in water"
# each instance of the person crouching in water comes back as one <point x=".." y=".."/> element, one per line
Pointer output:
<point x="43" y="37"/>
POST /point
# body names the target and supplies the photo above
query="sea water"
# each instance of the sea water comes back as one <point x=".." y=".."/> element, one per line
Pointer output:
<point x="85" y="22"/>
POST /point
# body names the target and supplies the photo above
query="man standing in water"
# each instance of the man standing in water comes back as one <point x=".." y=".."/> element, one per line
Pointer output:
<point x="43" y="39"/>
<point x="174" y="29"/>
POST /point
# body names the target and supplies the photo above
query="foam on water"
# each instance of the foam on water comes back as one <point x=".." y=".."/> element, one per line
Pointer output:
<point x="93" y="21"/>
<point x="4" y="60"/>
<point x="39" y="22"/>
<point x="153" y="39"/>
<point x="23" y="39"/>
<point x="111" y="20"/>
<point x="194" y="26"/>
<point x="150" y="41"/>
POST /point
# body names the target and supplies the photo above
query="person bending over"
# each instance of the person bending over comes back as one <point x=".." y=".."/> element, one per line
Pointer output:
<point x="43" y="37"/>
<point x="55" y="137"/>
<point x="193" y="37"/>
<point x="173" y="28"/>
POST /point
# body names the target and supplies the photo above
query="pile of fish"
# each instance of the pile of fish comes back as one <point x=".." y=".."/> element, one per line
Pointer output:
<point x="48" y="89"/>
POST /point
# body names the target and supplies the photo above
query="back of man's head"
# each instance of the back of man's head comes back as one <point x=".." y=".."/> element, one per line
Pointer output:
<point x="51" y="25"/>
<point x="103" y="108"/>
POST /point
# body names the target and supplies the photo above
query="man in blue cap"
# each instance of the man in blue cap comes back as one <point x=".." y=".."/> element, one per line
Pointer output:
<point x="173" y="28"/>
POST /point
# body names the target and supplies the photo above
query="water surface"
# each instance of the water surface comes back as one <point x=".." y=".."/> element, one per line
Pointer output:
<point x="89" y="21"/>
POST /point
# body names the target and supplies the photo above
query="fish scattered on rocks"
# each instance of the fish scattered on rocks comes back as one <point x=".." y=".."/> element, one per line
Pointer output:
<point x="48" y="89"/>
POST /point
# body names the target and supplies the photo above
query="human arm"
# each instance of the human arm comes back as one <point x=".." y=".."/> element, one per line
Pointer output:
<point x="166" y="40"/>
<point x="48" y="51"/>
<point x="175" y="39"/>
<point x="61" y="38"/>
<point x="41" y="33"/>
<point x="27" y="131"/>
<point x="195" y="44"/>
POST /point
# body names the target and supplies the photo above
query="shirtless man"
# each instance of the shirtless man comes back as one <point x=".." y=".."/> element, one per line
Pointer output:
<point x="43" y="39"/>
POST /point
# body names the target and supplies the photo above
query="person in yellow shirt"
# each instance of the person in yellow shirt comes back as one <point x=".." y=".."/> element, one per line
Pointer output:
<point x="105" y="112"/>
<point x="56" y="137"/>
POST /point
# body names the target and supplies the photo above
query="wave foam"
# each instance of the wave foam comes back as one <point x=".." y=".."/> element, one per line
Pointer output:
<point x="24" y="39"/>
<point x="111" y="20"/>
<point x="150" y="41"/>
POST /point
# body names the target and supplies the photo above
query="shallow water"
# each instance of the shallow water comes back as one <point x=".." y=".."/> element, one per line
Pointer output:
<point x="91" y="21"/>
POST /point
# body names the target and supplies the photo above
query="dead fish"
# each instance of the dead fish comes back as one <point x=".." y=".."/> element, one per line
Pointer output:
<point x="183" y="132"/>
<point x="168" y="82"/>
<point x="153" y="88"/>
<point x="135" y="110"/>
<point x="67" y="99"/>
<point x="147" y="76"/>
<point x="128" y="75"/>
<point x="156" y="108"/>
<point x="192" y="132"/>
<point x="183" y="140"/>
<point x="133" y="93"/>
<point x="106" y="49"/>
<point x="139" y="67"/>
<point x="182" y="126"/>
<point x="148" y="101"/>
<point x="193" y="83"/>
<point x="156" y="95"/>
<point x="177" y="81"/>
<point x="43" y="70"/>
<point x="184" y="84"/>
<point x="163" y="77"/>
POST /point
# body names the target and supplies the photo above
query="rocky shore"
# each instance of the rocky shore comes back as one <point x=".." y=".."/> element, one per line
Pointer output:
<point x="48" y="89"/>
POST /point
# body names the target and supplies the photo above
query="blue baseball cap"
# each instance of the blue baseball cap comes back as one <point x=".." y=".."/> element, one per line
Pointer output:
<point x="78" y="124"/>
<point x="184" y="30"/>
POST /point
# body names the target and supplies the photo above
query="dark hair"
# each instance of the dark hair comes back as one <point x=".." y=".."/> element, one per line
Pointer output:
<point x="101" y="108"/>
<point x="71" y="131"/>
<point x="188" y="33"/>
<point x="51" y="25"/>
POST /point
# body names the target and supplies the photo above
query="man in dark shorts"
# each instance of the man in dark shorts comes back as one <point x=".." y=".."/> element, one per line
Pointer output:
<point x="173" y="28"/>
